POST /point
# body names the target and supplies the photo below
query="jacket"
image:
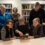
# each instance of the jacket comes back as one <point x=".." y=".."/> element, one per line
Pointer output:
<point x="39" y="14"/>
<point x="36" y="32"/>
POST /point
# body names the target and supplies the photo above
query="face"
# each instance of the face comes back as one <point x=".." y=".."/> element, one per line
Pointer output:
<point x="3" y="9"/>
<point x="14" y="10"/>
<point x="10" y="25"/>
<point x="35" y="23"/>
<point x="37" y="7"/>
<point x="21" y="21"/>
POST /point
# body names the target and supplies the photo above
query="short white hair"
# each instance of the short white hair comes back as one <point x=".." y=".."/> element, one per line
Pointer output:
<point x="36" y="19"/>
<point x="21" y="17"/>
<point x="3" y="6"/>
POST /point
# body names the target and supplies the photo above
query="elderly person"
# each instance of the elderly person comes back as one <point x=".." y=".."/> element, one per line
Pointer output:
<point x="38" y="12"/>
<point x="36" y="29"/>
<point x="15" y="16"/>
<point x="23" y="28"/>
<point x="3" y="16"/>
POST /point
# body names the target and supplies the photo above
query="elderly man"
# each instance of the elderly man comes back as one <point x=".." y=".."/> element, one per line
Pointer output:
<point x="3" y="16"/>
<point x="37" y="12"/>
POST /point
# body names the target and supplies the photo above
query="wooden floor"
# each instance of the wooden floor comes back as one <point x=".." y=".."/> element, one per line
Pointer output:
<point x="39" y="41"/>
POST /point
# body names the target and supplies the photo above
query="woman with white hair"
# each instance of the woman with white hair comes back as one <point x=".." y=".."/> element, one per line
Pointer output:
<point x="22" y="28"/>
<point x="3" y="16"/>
<point x="36" y="29"/>
<point x="15" y="16"/>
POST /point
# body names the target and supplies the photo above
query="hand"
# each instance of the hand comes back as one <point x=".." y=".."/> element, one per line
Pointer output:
<point x="2" y="31"/>
<point x="43" y="24"/>
<point x="14" y="37"/>
<point x="20" y="33"/>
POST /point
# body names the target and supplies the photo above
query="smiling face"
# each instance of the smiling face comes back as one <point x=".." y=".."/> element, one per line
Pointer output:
<point x="21" y="21"/>
<point x="15" y="10"/>
<point x="10" y="25"/>
<point x="35" y="23"/>
<point x="37" y="6"/>
<point x="3" y="9"/>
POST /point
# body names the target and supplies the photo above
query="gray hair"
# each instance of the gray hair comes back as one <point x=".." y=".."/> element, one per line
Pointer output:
<point x="3" y="6"/>
<point x="15" y="9"/>
<point x="36" y="19"/>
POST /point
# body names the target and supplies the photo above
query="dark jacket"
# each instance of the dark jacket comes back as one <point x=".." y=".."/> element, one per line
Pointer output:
<point x="15" y="19"/>
<point x="7" y="32"/>
<point x="36" y="32"/>
<point x="23" y="28"/>
<point x="40" y="14"/>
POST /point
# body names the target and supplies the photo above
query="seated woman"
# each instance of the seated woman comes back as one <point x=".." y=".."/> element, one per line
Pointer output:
<point x="22" y="29"/>
<point x="36" y="30"/>
<point x="7" y="30"/>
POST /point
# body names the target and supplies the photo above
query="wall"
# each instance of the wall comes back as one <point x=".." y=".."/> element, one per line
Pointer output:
<point x="15" y="3"/>
<point x="32" y="2"/>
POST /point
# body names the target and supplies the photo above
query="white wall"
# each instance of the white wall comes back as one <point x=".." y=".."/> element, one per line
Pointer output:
<point x="32" y="2"/>
<point x="15" y="3"/>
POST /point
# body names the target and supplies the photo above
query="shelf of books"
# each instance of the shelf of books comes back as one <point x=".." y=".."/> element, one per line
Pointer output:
<point x="26" y="8"/>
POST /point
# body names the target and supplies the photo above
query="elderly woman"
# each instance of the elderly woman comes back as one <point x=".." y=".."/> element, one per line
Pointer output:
<point x="3" y="16"/>
<point x="36" y="29"/>
<point x="15" y="16"/>
<point x="23" y="28"/>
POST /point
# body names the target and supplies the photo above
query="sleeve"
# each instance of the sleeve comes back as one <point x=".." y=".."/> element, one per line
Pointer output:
<point x="16" y="28"/>
<point x="31" y="31"/>
<point x="27" y="28"/>
<point x="41" y="31"/>
<point x="43" y="15"/>
<point x="3" y="33"/>
<point x="30" y="18"/>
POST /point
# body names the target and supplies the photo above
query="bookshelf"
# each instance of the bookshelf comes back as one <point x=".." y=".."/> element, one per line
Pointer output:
<point x="26" y="8"/>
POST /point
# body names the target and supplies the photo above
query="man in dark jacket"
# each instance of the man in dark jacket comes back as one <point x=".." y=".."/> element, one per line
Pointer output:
<point x="37" y="12"/>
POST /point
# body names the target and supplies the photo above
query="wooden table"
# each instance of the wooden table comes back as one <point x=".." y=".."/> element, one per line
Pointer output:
<point x="38" y="41"/>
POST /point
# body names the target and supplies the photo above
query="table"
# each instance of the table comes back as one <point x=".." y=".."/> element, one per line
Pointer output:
<point x="37" y="41"/>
